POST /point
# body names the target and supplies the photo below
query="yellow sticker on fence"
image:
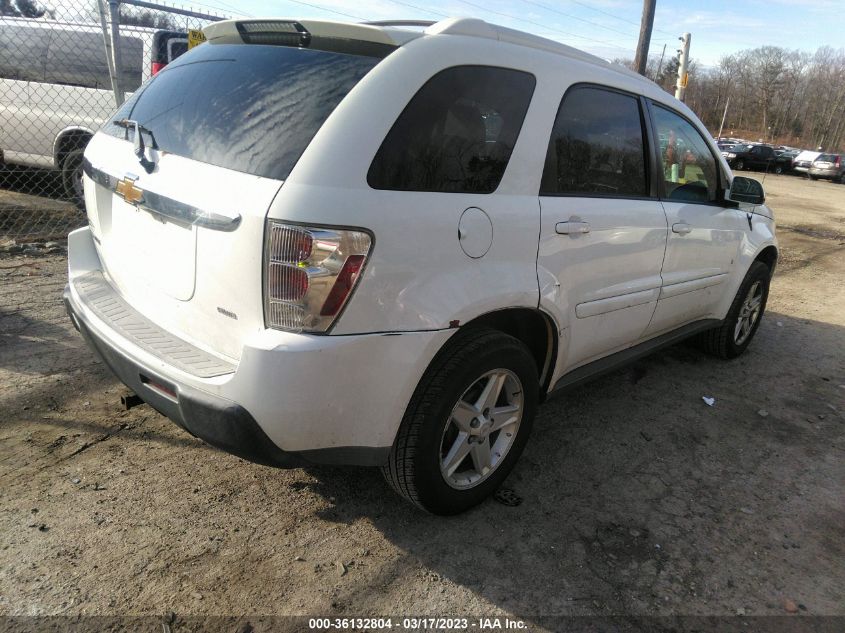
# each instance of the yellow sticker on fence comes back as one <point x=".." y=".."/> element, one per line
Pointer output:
<point x="195" y="37"/>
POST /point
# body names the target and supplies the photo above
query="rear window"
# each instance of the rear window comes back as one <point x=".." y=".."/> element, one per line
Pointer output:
<point x="250" y="108"/>
<point x="827" y="158"/>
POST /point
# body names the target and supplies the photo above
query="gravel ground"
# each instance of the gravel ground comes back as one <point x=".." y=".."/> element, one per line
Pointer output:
<point x="638" y="498"/>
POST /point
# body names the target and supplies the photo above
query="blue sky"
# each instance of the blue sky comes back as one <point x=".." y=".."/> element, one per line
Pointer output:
<point x="608" y="28"/>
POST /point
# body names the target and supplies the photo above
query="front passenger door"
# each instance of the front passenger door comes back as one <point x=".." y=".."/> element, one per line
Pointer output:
<point x="705" y="232"/>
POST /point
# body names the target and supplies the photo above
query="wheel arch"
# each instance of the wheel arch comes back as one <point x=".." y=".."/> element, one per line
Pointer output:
<point x="69" y="139"/>
<point x="769" y="256"/>
<point x="532" y="327"/>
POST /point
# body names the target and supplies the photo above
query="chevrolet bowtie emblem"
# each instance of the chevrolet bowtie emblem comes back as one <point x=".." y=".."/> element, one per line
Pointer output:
<point x="127" y="190"/>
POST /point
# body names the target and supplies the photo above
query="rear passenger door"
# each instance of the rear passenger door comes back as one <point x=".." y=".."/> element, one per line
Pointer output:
<point x="705" y="231"/>
<point x="603" y="229"/>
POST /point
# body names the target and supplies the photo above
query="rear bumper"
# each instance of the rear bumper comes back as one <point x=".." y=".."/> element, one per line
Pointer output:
<point x="289" y="399"/>
<point x="823" y="173"/>
<point x="220" y="422"/>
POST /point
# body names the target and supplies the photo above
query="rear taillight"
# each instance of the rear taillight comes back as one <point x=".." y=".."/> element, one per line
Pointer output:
<point x="310" y="273"/>
<point x="837" y="163"/>
<point x="156" y="67"/>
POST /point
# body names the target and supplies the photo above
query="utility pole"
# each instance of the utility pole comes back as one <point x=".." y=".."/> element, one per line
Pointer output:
<point x="683" y="76"/>
<point x="660" y="64"/>
<point x="724" y="115"/>
<point x="641" y="58"/>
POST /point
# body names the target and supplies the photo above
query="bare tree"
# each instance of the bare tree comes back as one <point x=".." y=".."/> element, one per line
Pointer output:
<point x="22" y="8"/>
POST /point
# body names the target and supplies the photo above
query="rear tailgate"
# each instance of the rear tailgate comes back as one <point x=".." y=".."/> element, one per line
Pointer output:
<point x="179" y="223"/>
<point x="201" y="283"/>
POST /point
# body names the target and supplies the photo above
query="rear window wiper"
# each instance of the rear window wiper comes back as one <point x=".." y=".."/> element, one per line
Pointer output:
<point x="138" y="144"/>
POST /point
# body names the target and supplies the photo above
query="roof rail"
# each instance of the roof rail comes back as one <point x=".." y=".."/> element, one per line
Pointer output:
<point x="425" y="23"/>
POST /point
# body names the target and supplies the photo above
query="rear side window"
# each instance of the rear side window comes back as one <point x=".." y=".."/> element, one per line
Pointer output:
<point x="689" y="168"/>
<point x="246" y="107"/>
<point x="597" y="146"/>
<point x="457" y="133"/>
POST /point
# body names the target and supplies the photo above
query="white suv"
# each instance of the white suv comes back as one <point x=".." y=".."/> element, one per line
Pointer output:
<point x="365" y="244"/>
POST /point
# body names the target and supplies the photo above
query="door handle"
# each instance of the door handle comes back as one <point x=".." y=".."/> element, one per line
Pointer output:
<point x="573" y="227"/>
<point x="681" y="228"/>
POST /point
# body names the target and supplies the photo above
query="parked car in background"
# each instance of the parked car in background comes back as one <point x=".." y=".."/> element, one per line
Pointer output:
<point x="167" y="46"/>
<point x="804" y="161"/>
<point x="750" y="157"/>
<point x="783" y="161"/>
<point x="828" y="166"/>
<point x="520" y="217"/>
<point x="55" y="88"/>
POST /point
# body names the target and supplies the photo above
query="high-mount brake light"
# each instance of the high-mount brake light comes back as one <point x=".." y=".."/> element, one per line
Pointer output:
<point x="310" y="273"/>
<point x="274" y="32"/>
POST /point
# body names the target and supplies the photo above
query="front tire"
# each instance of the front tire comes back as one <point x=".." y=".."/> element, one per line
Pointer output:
<point x="467" y="423"/>
<point x="740" y="165"/>
<point x="731" y="339"/>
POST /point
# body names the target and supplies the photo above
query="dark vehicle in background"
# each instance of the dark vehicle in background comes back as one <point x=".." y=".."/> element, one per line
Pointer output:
<point x="828" y="166"/>
<point x="750" y="157"/>
<point x="167" y="46"/>
<point x="783" y="161"/>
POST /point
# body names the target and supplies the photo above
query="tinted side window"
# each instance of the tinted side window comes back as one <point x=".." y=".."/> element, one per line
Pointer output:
<point x="689" y="168"/>
<point x="596" y="146"/>
<point x="457" y="133"/>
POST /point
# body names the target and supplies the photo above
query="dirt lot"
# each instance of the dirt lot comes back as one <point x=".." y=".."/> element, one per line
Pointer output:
<point x="638" y="498"/>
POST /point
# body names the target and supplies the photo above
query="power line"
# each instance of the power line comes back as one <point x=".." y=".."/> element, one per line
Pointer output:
<point x="575" y="17"/>
<point x="316" y="6"/>
<point x="543" y="26"/>
<point x="413" y="6"/>
<point x="591" y="8"/>
<point x="226" y="8"/>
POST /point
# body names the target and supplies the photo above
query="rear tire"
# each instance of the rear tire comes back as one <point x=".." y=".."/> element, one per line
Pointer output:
<point x="731" y="339"/>
<point x="778" y="169"/>
<point x="740" y="165"/>
<point x="450" y="425"/>
<point x="72" y="178"/>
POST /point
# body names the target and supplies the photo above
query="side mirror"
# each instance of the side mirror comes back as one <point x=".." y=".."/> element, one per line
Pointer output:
<point x="747" y="190"/>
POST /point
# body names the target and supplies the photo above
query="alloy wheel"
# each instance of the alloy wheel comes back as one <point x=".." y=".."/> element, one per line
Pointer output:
<point x="481" y="429"/>
<point x="749" y="313"/>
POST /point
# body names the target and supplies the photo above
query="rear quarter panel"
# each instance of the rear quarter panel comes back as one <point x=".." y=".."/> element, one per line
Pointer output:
<point x="417" y="277"/>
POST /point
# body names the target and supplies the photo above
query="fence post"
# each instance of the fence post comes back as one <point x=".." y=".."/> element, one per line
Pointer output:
<point x="117" y="79"/>
<point x="107" y="42"/>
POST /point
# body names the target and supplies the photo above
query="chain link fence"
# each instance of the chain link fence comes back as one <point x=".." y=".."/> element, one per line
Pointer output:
<point x="63" y="70"/>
